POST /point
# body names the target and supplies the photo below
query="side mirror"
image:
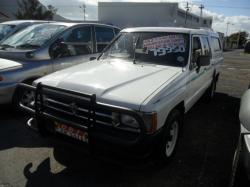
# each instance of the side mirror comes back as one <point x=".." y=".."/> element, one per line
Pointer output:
<point x="92" y="58"/>
<point x="203" y="60"/>
<point x="58" y="50"/>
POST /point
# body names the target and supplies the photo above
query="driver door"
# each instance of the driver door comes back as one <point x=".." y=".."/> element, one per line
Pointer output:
<point x="197" y="75"/>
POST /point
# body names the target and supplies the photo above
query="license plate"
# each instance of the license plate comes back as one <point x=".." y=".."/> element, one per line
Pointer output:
<point x="71" y="132"/>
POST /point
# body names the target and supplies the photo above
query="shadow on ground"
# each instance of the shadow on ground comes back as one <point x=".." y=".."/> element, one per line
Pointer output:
<point x="13" y="131"/>
<point x="204" y="156"/>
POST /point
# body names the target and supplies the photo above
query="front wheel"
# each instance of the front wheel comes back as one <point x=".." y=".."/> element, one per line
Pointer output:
<point x="25" y="97"/>
<point x="170" y="137"/>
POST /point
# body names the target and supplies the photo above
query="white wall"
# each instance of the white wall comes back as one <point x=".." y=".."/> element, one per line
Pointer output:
<point x="137" y="14"/>
<point x="131" y="14"/>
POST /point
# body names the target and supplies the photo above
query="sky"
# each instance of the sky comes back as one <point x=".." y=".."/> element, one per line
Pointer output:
<point x="234" y="12"/>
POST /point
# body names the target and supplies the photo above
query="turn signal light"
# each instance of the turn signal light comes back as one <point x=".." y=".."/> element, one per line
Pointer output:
<point x="1" y="78"/>
<point x="154" y="123"/>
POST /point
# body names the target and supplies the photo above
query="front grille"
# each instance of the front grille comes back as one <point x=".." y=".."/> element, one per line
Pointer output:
<point x="75" y="108"/>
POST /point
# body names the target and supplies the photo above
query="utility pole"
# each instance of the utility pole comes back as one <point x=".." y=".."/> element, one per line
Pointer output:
<point x="187" y="9"/>
<point x="83" y="7"/>
<point x="227" y="28"/>
<point x="238" y="40"/>
<point x="228" y="23"/>
<point x="201" y="7"/>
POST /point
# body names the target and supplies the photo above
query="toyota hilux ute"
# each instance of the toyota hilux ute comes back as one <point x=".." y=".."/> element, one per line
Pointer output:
<point x="131" y="99"/>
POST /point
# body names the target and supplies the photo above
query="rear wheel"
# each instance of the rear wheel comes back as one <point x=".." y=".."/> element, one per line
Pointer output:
<point x="170" y="137"/>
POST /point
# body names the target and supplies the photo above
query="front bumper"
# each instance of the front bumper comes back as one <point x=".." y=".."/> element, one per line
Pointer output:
<point x="102" y="145"/>
<point x="7" y="92"/>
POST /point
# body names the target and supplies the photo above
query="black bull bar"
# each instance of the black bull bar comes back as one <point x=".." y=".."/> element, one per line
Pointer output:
<point x="38" y="111"/>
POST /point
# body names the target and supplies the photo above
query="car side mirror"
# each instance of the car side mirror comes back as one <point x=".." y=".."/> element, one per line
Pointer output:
<point x="92" y="58"/>
<point x="59" y="49"/>
<point x="203" y="60"/>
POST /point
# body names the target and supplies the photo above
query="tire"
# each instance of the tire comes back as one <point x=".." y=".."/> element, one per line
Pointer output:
<point x="170" y="137"/>
<point x="23" y="96"/>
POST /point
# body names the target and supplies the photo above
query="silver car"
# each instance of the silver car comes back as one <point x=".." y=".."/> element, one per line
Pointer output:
<point x="9" y="28"/>
<point x="245" y="129"/>
<point x="240" y="175"/>
<point x="45" y="48"/>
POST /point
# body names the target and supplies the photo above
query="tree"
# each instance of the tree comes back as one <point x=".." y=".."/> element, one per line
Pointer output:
<point x="238" y="38"/>
<point x="32" y="9"/>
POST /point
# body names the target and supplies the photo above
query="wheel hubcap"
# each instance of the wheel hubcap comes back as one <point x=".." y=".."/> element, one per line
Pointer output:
<point x="173" y="136"/>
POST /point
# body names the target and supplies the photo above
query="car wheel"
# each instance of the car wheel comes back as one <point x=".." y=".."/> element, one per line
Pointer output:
<point x="26" y="98"/>
<point x="170" y="137"/>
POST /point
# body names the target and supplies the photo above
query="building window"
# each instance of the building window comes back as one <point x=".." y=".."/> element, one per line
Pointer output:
<point x="205" y="22"/>
<point x="196" y="19"/>
<point x="181" y="14"/>
<point x="189" y="17"/>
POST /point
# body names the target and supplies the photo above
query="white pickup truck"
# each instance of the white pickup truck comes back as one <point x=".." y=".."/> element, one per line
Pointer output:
<point x="132" y="99"/>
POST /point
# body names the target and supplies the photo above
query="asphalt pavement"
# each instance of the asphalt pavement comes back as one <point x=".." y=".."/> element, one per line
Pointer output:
<point x="203" y="158"/>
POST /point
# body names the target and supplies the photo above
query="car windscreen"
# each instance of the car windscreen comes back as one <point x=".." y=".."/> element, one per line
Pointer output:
<point x="34" y="36"/>
<point x="161" y="48"/>
<point x="5" y="30"/>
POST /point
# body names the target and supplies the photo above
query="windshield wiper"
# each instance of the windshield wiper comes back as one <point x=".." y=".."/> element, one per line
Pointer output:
<point x="28" y="46"/>
<point x="4" y="46"/>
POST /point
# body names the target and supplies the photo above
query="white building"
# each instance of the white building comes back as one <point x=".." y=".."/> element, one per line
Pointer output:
<point x="137" y="14"/>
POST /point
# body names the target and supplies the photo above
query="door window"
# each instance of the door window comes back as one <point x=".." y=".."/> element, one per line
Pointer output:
<point x="206" y="47"/>
<point x="117" y="31"/>
<point x="216" y="44"/>
<point x="103" y="37"/>
<point x="196" y="49"/>
<point x="77" y="41"/>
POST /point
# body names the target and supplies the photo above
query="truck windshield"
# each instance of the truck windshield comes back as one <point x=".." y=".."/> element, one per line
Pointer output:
<point x="161" y="48"/>
<point x="5" y="30"/>
<point x="34" y="36"/>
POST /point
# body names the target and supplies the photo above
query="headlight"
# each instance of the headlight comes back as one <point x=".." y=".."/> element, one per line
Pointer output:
<point x="29" y="54"/>
<point x="129" y="121"/>
<point x="124" y="121"/>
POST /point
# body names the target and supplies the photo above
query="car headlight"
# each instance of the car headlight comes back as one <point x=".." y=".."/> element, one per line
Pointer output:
<point x="29" y="54"/>
<point x="129" y="121"/>
<point x="124" y="121"/>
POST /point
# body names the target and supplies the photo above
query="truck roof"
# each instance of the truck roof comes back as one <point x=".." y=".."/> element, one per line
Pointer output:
<point x="172" y="29"/>
<point x="17" y="22"/>
<point x="67" y="24"/>
<point x="70" y="24"/>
